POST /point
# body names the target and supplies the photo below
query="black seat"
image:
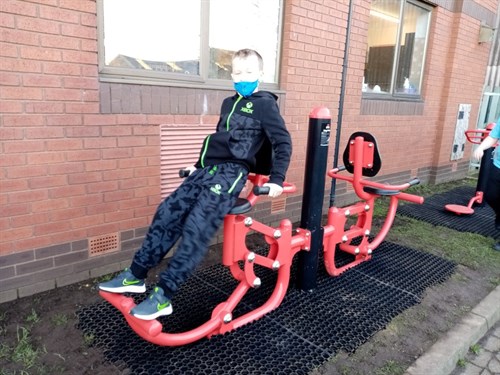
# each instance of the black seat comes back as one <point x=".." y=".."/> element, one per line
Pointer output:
<point x="240" y="207"/>
<point x="377" y="191"/>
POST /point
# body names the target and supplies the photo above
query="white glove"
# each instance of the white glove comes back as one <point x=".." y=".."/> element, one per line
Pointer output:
<point x="274" y="190"/>
<point x="191" y="169"/>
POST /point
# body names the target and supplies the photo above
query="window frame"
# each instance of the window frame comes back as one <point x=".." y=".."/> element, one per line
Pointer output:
<point x="135" y="76"/>
<point x="395" y="63"/>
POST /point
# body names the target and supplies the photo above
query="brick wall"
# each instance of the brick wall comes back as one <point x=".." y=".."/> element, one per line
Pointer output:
<point x="80" y="158"/>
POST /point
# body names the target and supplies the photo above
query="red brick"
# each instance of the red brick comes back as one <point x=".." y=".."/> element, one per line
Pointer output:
<point x="18" y="7"/>
<point x="79" y="57"/>
<point x="117" y="131"/>
<point x="52" y="227"/>
<point x="37" y="25"/>
<point x="86" y="200"/>
<point x="16" y="147"/>
<point x="11" y="106"/>
<point x="100" y="165"/>
<point x="11" y="160"/>
<point x="66" y="168"/>
<point x="44" y="107"/>
<point x="101" y="187"/>
<point x="67" y="191"/>
<point x="68" y="214"/>
<point x="47" y="182"/>
<point x="19" y="37"/>
<point x="83" y="131"/>
<point x="27" y="171"/>
<point x="99" y="143"/>
<point x="65" y="120"/>
<point x="29" y="220"/>
<point x="53" y="13"/>
<point x="44" y="133"/>
<point x="21" y="93"/>
<point x="102" y="208"/>
<point x="85" y="178"/>
<point x="63" y="144"/>
<point x="7" y="20"/>
<point x="63" y="69"/>
<point x="12" y="185"/>
<point x="100" y="120"/>
<point x="87" y="221"/>
<point x="83" y="155"/>
<point x="8" y="50"/>
<point x="86" y="6"/>
<point x="60" y="42"/>
<point x="14" y="209"/>
<point x="16" y="234"/>
<point x="117" y="153"/>
<point x="82" y="108"/>
<point x="81" y="83"/>
<point x="114" y="196"/>
<point x="50" y="205"/>
<point x="39" y="53"/>
<point x="79" y="31"/>
<point x="27" y="196"/>
<point x="63" y="94"/>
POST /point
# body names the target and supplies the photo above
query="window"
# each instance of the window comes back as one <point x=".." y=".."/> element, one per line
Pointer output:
<point x="397" y="39"/>
<point x="186" y="43"/>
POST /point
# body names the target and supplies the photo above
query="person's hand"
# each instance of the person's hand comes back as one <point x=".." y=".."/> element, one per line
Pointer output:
<point x="478" y="153"/>
<point x="191" y="169"/>
<point x="274" y="189"/>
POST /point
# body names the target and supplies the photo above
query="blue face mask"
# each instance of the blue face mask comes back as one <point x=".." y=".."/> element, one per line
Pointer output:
<point x="245" y="89"/>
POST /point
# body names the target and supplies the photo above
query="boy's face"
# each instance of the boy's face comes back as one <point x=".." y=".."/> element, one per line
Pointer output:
<point x="246" y="70"/>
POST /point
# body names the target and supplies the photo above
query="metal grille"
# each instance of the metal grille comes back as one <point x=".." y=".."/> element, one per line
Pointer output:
<point x="180" y="146"/>
<point x="301" y="334"/>
<point x="278" y="205"/>
<point x="103" y="244"/>
<point x="433" y="212"/>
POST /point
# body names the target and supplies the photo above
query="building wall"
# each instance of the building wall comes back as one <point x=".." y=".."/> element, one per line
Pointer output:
<point x="80" y="164"/>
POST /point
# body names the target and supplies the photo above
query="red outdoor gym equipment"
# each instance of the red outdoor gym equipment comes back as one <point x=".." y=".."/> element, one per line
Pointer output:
<point x="285" y="243"/>
<point x="361" y="159"/>
<point x="476" y="137"/>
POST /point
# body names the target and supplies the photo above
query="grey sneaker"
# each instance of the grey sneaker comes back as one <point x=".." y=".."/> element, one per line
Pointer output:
<point x="124" y="282"/>
<point x="154" y="306"/>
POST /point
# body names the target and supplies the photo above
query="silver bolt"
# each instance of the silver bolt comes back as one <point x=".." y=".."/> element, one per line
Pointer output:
<point x="369" y="251"/>
<point x="344" y="239"/>
<point x="347" y="213"/>
<point x="370" y="145"/>
<point x="257" y="282"/>
<point x="277" y="234"/>
<point x="248" y="221"/>
<point x="356" y="251"/>
<point x="367" y="207"/>
<point x="276" y="265"/>
<point x="367" y="232"/>
<point x="251" y="257"/>
<point x="227" y="318"/>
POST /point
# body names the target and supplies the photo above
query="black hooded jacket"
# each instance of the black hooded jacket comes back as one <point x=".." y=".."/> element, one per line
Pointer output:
<point x="251" y="132"/>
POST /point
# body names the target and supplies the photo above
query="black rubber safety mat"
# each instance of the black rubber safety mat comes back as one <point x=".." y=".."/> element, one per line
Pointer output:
<point x="433" y="212"/>
<point x="301" y="334"/>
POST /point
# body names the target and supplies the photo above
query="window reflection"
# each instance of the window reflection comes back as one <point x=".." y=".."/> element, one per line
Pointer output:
<point x="389" y="70"/>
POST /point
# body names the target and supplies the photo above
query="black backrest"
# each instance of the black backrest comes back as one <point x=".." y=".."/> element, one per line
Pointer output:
<point x="376" y="163"/>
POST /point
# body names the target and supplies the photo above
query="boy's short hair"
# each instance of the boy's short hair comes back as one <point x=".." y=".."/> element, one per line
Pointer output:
<point x="246" y="52"/>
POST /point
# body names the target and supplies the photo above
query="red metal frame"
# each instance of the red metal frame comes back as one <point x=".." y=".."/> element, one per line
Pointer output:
<point x="284" y="243"/>
<point x="336" y="236"/>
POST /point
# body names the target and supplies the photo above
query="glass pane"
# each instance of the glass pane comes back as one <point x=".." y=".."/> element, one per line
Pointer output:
<point x="411" y="50"/>
<point x="153" y="35"/>
<point x="382" y="38"/>
<point x="237" y="24"/>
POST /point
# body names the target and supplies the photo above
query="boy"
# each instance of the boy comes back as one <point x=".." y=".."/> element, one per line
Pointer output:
<point x="492" y="193"/>
<point x="249" y="126"/>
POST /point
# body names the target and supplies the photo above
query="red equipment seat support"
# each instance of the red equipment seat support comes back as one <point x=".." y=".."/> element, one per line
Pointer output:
<point x="364" y="160"/>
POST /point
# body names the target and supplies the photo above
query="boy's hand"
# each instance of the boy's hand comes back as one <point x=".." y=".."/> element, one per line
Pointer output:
<point x="274" y="190"/>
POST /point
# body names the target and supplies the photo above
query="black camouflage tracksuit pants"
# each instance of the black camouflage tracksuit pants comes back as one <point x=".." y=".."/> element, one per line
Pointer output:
<point x="193" y="213"/>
